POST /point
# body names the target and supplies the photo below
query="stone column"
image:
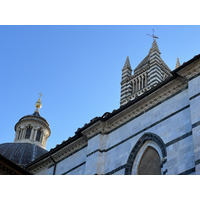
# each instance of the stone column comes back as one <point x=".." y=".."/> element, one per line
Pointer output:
<point x="33" y="135"/>
<point x="41" y="137"/>
<point x="142" y="81"/>
<point x="23" y="133"/>
<point x="139" y="82"/>
<point x="19" y="134"/>
<point x="136" y="84"/>
<point x="44" y="141"/>
<point x="146" y="79"/>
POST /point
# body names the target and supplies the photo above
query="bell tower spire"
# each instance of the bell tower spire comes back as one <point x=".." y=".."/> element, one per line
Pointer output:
<point x="151" y="71"/>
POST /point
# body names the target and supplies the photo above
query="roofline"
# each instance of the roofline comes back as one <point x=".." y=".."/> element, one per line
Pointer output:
<point x="186" y="63"/>
<point x="33" y="118"/>
<point x="39" y="117"/>
<point x="54" y="150"/>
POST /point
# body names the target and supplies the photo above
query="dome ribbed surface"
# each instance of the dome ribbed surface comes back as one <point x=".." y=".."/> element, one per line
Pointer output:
<point x="21" y="153"/>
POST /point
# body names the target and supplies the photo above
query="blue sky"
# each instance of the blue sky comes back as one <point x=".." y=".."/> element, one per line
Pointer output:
<point x="78" y="70"/>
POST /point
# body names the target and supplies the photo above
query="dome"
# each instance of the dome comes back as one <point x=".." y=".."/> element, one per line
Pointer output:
<point x="21" y="153"/>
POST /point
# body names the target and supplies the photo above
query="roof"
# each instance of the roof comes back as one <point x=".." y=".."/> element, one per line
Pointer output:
<point x="144" y="62"/>
<point x="34" y="116"/>
<point x="21" y="153"/>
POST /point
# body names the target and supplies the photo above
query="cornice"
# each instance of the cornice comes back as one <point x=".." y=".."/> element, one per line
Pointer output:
<point x="6" y="170"/>
<point x="190" y="71"/>
<point x="144" y="104"/>
<point x="58" y="155"/>
<point x="34" y="120"/>
<point x="136" y="109"/>
<point x="95" y="128"/>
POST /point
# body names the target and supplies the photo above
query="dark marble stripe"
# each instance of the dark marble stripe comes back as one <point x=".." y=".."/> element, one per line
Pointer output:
<point x="178" y="139"/>
<point x="97" y="150"/>
<point x="146" y="110"/>
<point x="196" y="95"/>
<point x="165" y="172"/>
<point x="197" y="162"/>
<point x="167" y="144"/>
<point x="73" y="168"/>
<point x="69" y="155"/>
<point x="187" y="172"/>
<point x="196" y="124"/>
<point x="148" y="127"/>
<point x="116" y="170"/>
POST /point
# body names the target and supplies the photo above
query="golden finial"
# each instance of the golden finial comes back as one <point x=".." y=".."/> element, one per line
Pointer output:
<point x="38" y="104"/>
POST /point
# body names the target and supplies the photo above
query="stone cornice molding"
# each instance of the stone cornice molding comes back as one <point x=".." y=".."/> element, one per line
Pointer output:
<point x="69" y="149"/>
<point x="145" y="104"/>
<point x="94" y="129"/>
<point x="190" y="71"/>
<point x="136" y="109"/>
<point x="58" y="155"/>
<point x="41" y="122"/>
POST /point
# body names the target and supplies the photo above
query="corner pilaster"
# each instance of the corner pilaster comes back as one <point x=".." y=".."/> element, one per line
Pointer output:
<point x="194" y="99"/>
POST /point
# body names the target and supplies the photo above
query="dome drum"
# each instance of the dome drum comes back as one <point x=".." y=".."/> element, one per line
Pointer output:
<point x="30" y="130"/>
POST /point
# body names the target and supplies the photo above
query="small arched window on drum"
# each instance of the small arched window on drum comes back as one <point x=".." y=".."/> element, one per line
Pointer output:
<point x="28" y="132"/>
<point x="38" y="136"/>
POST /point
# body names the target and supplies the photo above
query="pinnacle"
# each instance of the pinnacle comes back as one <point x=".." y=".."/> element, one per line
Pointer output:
<point x="177" y="63"/>
<point x="154" y="47"/>
<point x="127" y="63"/>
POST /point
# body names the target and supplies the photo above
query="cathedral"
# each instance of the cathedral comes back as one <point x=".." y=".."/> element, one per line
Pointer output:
<point x="155" y="131"/>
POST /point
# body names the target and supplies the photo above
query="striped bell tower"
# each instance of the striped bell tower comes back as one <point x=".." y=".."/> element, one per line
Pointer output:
<point x="126" y="88"/>
<point x="151" y="71"/>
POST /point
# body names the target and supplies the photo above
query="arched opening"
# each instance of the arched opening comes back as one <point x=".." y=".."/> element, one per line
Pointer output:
<point x="28" y="132"/>
<point x="150" y="162"/>
<point x="137" y="84"/>
<point x="143" y="81"/>
<point x="38" y="136"/>
<point x="148" y="152"/>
